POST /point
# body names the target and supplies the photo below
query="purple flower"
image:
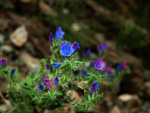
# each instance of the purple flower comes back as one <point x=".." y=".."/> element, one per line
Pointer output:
<point x="47" y="66"/>
<point x="56" y="65"/>
<point x="3" y="62"/>
<point x="41" y="87"/>
<point x="59" y="33"/>
<point x="98" y="48"/>
<point x="107" y="70"/>
<point x="84" y="72"/>
<point x="88" y="53"/>
<point x="46" y="82"/>
<point x="94" y="87"/>
<point x="56" y="80"/>
<point x="75" y="46"/>
<point x="104" y="46"/>
<point x="66" y="49"/>
<point x="51" y="36"/>
<point x="12" y="72"/>
<point x="99" y="65"/>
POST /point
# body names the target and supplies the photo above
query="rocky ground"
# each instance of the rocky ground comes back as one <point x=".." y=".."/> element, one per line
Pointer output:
<point x="130" y="95"/>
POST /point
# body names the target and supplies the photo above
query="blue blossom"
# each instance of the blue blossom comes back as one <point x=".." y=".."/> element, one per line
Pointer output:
<point x="104" y="46"/>
<point x="56" y="80"/>
<point x="88" y="53"/>
<point x="3" y="62"/>
<point x="111" y="76"/>
<point x="59" y="33"/>
<point x="56" y="65"/>
<point x="75" y="46"/>
<point x="84" y="72"/>
<point x="118" y="68"/>
<point x="92" y="63"/>
<point x="66" y="49"/>
<point x="51" y="36"/>
<point x="94" y="87"/>
<point x="43" y="81"/>
<point x="12" y="72"/>
<point x="47" y="66"/>
<point x="41" y="87"/>
<point x="83" y="54"/>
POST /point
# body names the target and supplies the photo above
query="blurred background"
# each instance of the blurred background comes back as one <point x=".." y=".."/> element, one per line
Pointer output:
<point x="123" y="24"/>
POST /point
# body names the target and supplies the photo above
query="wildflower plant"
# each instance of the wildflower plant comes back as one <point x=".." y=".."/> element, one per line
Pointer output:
<point x="49" y="87"/>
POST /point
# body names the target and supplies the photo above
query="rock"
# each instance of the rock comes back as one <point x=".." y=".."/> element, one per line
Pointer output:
<point x="75" y="27"/>
<point x="29" y="47"/>
<point x="19" y="37"/>
<point x="25" y="1"/>
<point x="100" y="37"/>
<point x="3" y="108"/>
<point x="32" y="63"/>
<point x="6" y="49"/>
<point x="65" y="11"/>
<point x="47" y="9"/>
<point x="127" y="97"/>
<point x="2" y="38"/>
<point x="116" y="109"/>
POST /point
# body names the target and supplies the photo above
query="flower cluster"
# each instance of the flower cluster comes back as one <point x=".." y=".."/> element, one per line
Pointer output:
<point x="59" y="34"/>
<point x="47" y="83"/>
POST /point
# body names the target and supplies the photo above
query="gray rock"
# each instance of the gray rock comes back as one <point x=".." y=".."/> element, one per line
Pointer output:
<point x="19" y="37"/>
<point x="32" y="63"/>
<point x="2" y="38"/>
<point x="6" y="48"/>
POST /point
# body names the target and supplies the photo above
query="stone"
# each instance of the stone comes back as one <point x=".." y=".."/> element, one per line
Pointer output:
<point x="47" y="9"/>
<point x="6" y="48"/>
<point x="2" y="38"/>
<point x="116" y="109"/>
<point x="32" y="63"/>
<point x="100" y="37"/>
<point x="19" y="37"/>
<point x="127" y="97"/>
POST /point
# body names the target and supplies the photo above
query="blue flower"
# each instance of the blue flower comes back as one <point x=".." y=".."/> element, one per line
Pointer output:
<point x="75" y="46"/>
<point x="3" y="62"/>
<point x="41" y="87"/>
<point x="59" y="33"/>
<point x="56" y="80"/>
<point x="83" y="54"/>
<point x="111" y="76"/>
<point x="88" y="53"/>
<point x="47" y="66"/>
<point x="94" y="87"/>
<point x="104" y="46"/>
<point x="118" y="68"/>
<point x="51" y="36"/>
<point x="12" y="72"/>
<point x="84" y="72"/>
<point x="66" y="49"/>
<point x="99" y="65"/>
<point x="92" y="63"/>
<point x="56" y="65"/>
<point x="43" y="81"/>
